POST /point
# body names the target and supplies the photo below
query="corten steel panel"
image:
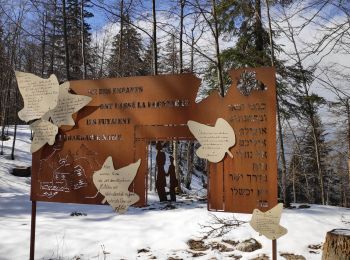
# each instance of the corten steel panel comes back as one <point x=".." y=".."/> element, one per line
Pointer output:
<point x="216" y="187"/>
<point x="140" y="181"/>
<point x="250" y="178"/>
<point x="126" y="112"/>
<point x="63" y="172"/>
<point x="163" y="132"/>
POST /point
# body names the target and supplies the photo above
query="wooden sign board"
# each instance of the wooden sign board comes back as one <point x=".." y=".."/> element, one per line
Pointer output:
<point x="126" y="113"/>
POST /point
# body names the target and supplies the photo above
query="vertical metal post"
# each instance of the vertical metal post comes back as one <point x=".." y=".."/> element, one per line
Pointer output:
<point x="274" y="249"/>
<point x="32" y="231"/>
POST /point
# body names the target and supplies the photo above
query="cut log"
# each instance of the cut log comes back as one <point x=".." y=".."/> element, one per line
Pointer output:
<point x="22" y="171"/>
<point x="337" y="245"/>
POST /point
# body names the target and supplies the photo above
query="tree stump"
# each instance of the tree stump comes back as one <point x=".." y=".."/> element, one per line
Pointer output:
<point x="337" y="245"/>
<point x="22" y="171"/>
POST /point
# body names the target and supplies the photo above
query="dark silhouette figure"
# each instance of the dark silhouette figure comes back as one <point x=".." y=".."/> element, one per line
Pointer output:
<point x="173" y="181"/>
<point x="161" y="181"/>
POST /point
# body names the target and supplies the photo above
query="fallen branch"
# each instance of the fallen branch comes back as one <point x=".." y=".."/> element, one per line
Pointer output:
<point x="217" y="227"/>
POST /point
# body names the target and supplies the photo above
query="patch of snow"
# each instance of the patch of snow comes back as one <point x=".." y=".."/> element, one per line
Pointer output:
<point x="160" y="230"/>
<point x="341" y="232"/>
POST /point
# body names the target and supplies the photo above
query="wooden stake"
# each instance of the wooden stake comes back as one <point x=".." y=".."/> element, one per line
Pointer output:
<point x="32" y="231"/>
<point x="274" y="249"/>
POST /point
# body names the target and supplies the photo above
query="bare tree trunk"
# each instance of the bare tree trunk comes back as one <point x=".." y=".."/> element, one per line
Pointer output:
<point x="103" y="51"/>
<point x="155" y="170"/>
<point x="155" y="50"/>
<point x="293" y="182"/>
<point x="173" y="59"/>
<point x="189" y="164"/>
<point x="270" y="34"/>
<point x="282" y="153"/>
<point x="53" y="41"/>
<point x="4" y="117"/>
<point x="182" y="7"/>
<point x="318" y="159"/>
<point x="82" y="32"/>
<point x="150" y="166"/>
<point x="121" y="35"/>
<point x="177" y="155"/>
<point x="343" y="183"/>
<point x="192" y="56"/>
<point x="12" y="58"/>
<point x="259" y="44"/>
<point x="192" y="48"/>
<point x="347" y="105"/>
<point x="43" y="44"/>
<point x="15" y="130"/>
<point x="65" y="38"/>
<point x="311" y="115"/>
<point x="307" y="189"/>
<point x="177" y="164"/>
<point x="101" y="64"/>
<point x="280" y="133"/>
<point x="217" y="50"/>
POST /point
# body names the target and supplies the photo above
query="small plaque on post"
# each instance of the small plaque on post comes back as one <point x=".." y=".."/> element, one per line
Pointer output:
<point x="267" y="223"/>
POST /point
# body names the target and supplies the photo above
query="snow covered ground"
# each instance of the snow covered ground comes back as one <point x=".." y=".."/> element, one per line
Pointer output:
<point x="156" y="232"/>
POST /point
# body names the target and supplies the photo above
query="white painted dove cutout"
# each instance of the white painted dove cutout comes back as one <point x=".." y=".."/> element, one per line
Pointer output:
<point x="39" y="95"/>
<point x="113" y="184"/>
<point x="51" y="103"/>
<point x="215" y="140"/>
<point x="66" y="106"/>
<point x="44" y="132"/>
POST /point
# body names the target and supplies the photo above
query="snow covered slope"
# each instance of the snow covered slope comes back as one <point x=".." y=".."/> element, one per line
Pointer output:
<point x="72" y="231"/>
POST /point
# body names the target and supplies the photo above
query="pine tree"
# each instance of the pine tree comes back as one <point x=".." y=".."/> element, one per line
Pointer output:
<point x="310" y="163"/>
<point x="341" y="184"/>
<point x="169" y="62"/>
<point x="3" y="93"/>
<point x="299" y="188"/>
<point x="148" y="59"/>
<point x="241" y="19"/>
<point x="56" y="39"/>
<point x="129" y="58"/>
<point x="54" y="45"/>
<point x="75" y="30"/>
<point x="2" y="58"/>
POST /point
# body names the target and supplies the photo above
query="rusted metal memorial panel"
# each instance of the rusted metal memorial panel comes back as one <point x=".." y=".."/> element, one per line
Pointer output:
<point x="126" y="113"/>
<point x="108" y="127"/>
<point x="249" y="180"/>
